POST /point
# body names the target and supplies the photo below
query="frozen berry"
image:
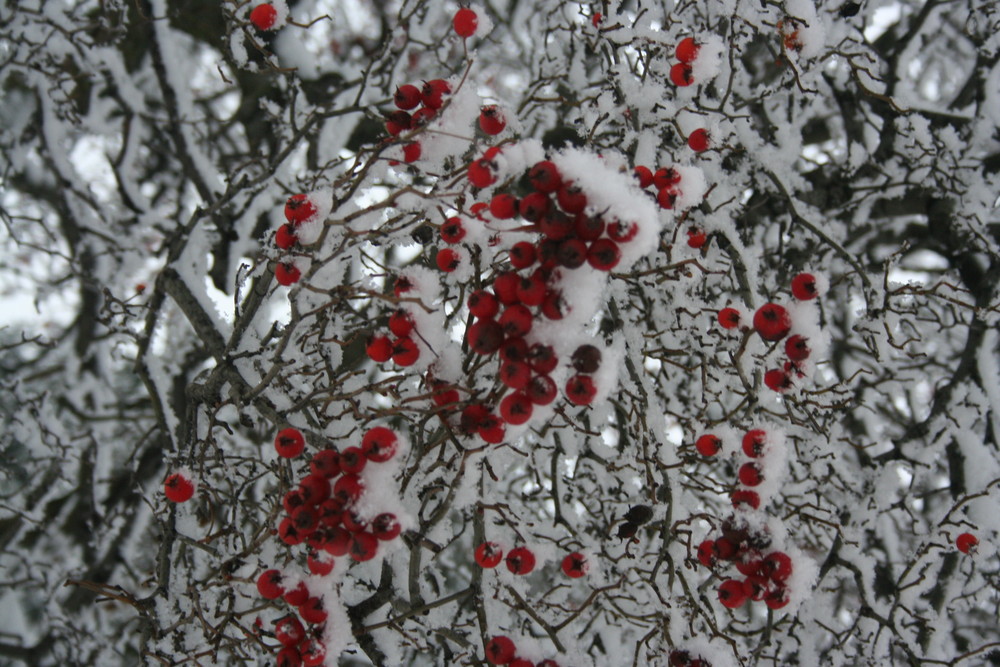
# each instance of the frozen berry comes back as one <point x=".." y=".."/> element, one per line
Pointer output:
<point x="465" y="22"/>
<point x="178" y="488"/>
<point x="289" y="442"/>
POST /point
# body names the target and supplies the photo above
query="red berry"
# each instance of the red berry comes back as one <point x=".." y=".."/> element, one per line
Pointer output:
<point x="622" y="232"/>
<point x="289" y="443"/>
<point x="299" y="208"/>
<point x="666" y="177"/>
<point x="352" y="460"/>
<point x="405" y="352"/>
<point x="687" y="50"/>
<point x="269" y="585"/>
<point x="777" y="566"/>
<point x="312" y="611"/>
<point x="503" y="206"/>
<point x="465" y="22"/>
<point x="706" y="553"/>
<point x="363" y="546"/>
<point x="348" y="489"/>
<point x="753" y="443"/>
<point x="729" y="318"/>
<point x="776" y="598"/>
<point x="542" y="358"/>
<point x="755" y="586"/>
<point x="488" y="555"/>
<point x="534" y="206"/>
<point x="264" y="16"/>
<point x="777" y="380"/>
<point x="731" y="593"/>
<point x="541" y="390"/>
<point x="588" y="227"/>
<point x="386" y="527"/>
<point x="313" y="653"/>
<point x="520" y="560"/>
<point x="696" y="238"/>
<point x="314" y="488"/>
<point x="433" y="93"/>
<point x="505" y="287"/>
<point x="575" y="565"/>
<point x="772" y="322"/>
<point x="797" y="348"/>
<point x="515" y="320"/>
<point x="644" y="176"/>
<point x="708" y="445"/>
<point x="401" y="322"/>
<point x="699" y="140"/>
<point x="483" y="304"/>
<point x="285" y="237"/>
<point x="666" y="197"/>
<point x="447" y="260"/>
<point x="492" y="120"/>
<point x="516" y="408"/>
<point x="407" y="97"/>
<point x="523" y="255"/>
<point x="287" y="274"/>
<point x="804" y="287"/>
<point x="586" y="359"/>
<point x="521" y="662"/>
<point x="580" y="390"/>
<point x="750" y="474"/>
<point x="397" y="122"/>
<point x="603" y="254"/>
<point x="481" y="173"/>
<point x="452" y="231"/>
<point x="319" y="564"/>
<point x="681" y="76"/>
<point x="554" y="306"/>
<point x="515" y="374"/>
<point x="744" y="497"/>
<point x="966" y="542"/>
<point x="491" y="429"/>
<point x="544" y="177"/>
<point x="379" y="349"/>
<point x="571" y="199"/>
<point x="296" y="595"/>
<point x="572" y="253"/>
<point x="289" y="631"/>
<point x="596" y="19"/>
<point x="380" y="444"/>
<point x="178" y="488"/>
<point x="484" y="336"/>
<point x="500" y="650"/>
<point x="556" y="227"/>
<point x="339" y="542"/>
<point x="411" y="152"/>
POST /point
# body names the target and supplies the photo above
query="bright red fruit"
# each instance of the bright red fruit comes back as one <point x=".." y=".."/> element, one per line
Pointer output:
<point x="753" y="443"/>
<point x="379" y="349"/>
<point x="401" y="323"/>
<point x="521" y="662"/>
<point x="804" y="287"/>
<point x="681" y="76"/>
<point x="516" y="408"/>
<point x="544" y="177"/>
<point x="386" y="527"/>
<point x="452" y="231"/>
<point x="319" y="564"/>
<point x="706" y="553"/>
<point x="644" y="176"/>
<point x="313" y="653"/>
<point x="491" y="119"/>
<point x="491" y="429"/>
<point x="484" y="336"/>
<point x="777" y="566"/>
<point x="777" y="380"/>
<point x="708" y="445"/>
<point x="407" y="97"/>
<point x="580" y="390"/>
<point x="699" y="140"/>
<point x="289" y="631"/>
<point x="363" y="546"/>
<point x="482" y="173"/>
<point x="541" y="390"/>
<point x="348" y="489"/>
<point x="664" y="177"/>
<point x="603" y="254"/>
<point x="289" y="442"/>
<point x="750" y="474"/>
<point x="776" y="598"/>
<point x="744" y="497"/>
<point x="687" y="50"/>
<point x="380" y="444"/>
<point x="299" y="208"/>
<point x="500" y="650"/>
<point x="772" y="322"/>
<point x="269" y="585"/>
<point x="447" y="260"/>
<point x="288" y="657"/>
<point x="696" y="237"/>
<point x="729" y="318"/>
<point x="411" y="152"/>
<point x="483" y="304"/>
<point x="523" y="255"/>
<point x="797" y="348"/>
<point x="731" y="593"/>
<point x="488" y="554"/>
<point x="312" y="611"/>
<point x="405" y="352"/>
<point x="503" y="206"/>
<point x="287" y="274"/>
<point x="520" y="560"/>
<point x="433" y="93"/>
<point x="515" y="320"/>
<point x="264" y="16"/>
<point x="966" y="542"/>
<point x="465" y="22"/>
<point x="575" y="565"/>
<point x="352" y="460"/>
<point x="285" y="237"/>
<point x="178" y="488"/>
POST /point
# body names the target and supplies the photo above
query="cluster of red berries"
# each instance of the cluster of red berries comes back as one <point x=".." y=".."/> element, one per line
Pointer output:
<point x="501" y="650"/>
<point x="684" y="658"/>
<point x="402" y="349"/>
<point x="521" y="560"/>
<point x="765" y="576"/>
<point x="320" y="511"/>
<point x="686" y="52"/>
<point x="301" y="644"/>
<point x="264" y="16"/>
<point x="751" y="473"/>
<point x="667" y="183"/>
<point x="298" y="210"/>
<point x="415" y="107"/>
